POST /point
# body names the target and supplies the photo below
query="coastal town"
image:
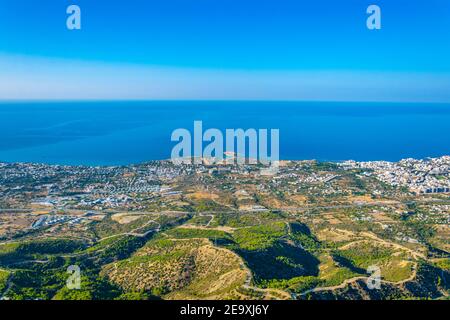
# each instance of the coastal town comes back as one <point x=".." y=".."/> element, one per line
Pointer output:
<point x="53" y="194"/>
<point x="133" y="187"/>
<point x="420" y="176"/>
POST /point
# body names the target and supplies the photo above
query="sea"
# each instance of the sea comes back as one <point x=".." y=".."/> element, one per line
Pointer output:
<point x="130" y="132"/>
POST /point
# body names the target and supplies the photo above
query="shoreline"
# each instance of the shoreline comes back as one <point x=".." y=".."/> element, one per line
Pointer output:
<point x="149" y="162"/>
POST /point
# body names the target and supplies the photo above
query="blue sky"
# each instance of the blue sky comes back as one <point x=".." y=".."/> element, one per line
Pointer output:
<point x="226" y="49"/>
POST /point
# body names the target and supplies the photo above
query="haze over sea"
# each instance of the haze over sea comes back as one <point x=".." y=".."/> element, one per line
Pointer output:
<point x="119" y="133"/>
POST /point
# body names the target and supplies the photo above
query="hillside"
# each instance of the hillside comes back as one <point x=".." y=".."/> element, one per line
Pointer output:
<point x="180" y="269"/>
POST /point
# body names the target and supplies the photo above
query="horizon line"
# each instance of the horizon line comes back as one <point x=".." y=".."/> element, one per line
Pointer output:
<point x="3" y="101"/>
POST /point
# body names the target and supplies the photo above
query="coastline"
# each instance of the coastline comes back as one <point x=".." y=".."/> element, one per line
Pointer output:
<point x="150" y="162"/>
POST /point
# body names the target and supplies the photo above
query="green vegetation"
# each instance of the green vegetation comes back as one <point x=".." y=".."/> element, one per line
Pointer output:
<point x="49" y="246"/>
<point x="4" y="276"/>
<point x="280" y="261"/>
<point x="396" y="272"/>
<point x="189" y="233"/>
<point x="8" y="248"/>
<point x="301" y="234"/>
<point x="11" y="253"/>
<point x="44" y="263"/>
<point x="178" y="268"/>
<point x="135" y="296"/>
<point x="208" y="206"/>
<point x="108" y="227"/>
<point x="338" y="276"/>
<point x="443" y="264"/>
<point x="394" y="265"/>
<point x="92" y="288"/>
<point x="241" y="220"/>
<point x="421" y="231"/>
<point x="295" y="285"/>
<point x="365" y="254"/>
<point x="259" y="237"/>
